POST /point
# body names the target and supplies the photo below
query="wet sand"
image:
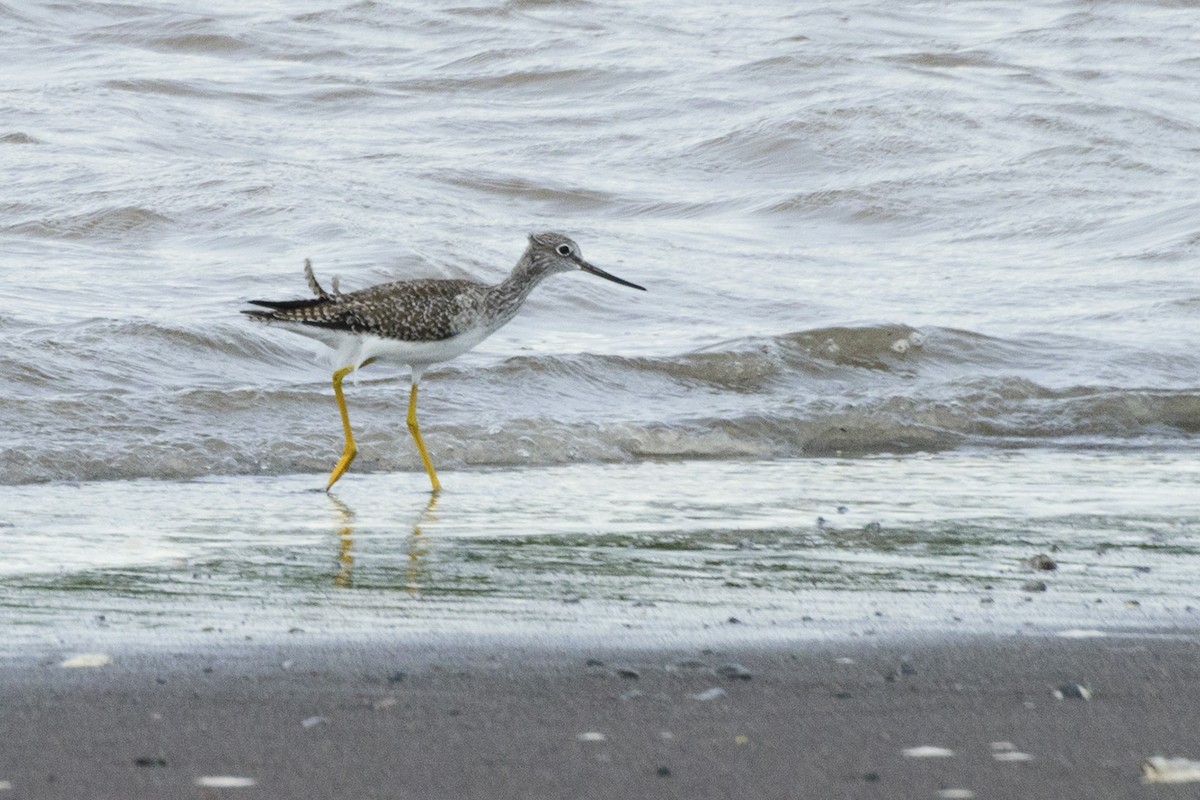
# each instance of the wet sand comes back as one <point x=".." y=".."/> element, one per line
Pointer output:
<point x="413" y="719"/>
<point x="509" y="644"/>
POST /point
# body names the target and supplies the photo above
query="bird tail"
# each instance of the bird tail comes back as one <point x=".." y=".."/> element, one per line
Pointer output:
<point x="316" y="287"/>
<point x="276" y="306"/>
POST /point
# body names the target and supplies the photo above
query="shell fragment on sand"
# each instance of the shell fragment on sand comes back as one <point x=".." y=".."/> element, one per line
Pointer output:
<point x="224" y="782"/>
<point x="86" y="660"/>
<point x="1158" y="769"/>
<point x="1081" y="633"/>
<point x="928" y="751"/>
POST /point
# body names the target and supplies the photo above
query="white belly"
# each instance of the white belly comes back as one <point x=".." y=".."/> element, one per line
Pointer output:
<point x="354" y="349"/>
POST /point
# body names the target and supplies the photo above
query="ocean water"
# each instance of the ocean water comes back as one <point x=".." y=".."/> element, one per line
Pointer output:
<point x="928" y="235"/>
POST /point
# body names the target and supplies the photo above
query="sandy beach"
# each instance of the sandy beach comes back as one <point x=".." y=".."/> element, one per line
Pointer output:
<point x="974" y="717"/>
<point x="254" y="637"/>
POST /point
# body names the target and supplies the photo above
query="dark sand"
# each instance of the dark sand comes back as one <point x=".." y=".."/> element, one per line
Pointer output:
<point x="527" y="721"/>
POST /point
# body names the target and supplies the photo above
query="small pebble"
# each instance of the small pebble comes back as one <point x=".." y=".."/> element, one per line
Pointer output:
<point x="1034" y="586"/>
<point x="956" y="794"/>
<point x="628" y="672"/>
<point x="734" y="671"/>
<point x="312" y="722"/>
<point x="591" y="736"/>
<point x="663" y="772"/>
<point x="396" y="677"/>
<point x="149" y="761"/>
<point x="1072" y="691"/>
<point x="709" y="694"/>
<point x="1041" y="562"/>
<point x="594" y="662"/>
<point x="872" y="527"/>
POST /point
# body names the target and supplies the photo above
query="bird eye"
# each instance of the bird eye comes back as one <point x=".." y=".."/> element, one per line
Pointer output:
<point x="563" y="249"/>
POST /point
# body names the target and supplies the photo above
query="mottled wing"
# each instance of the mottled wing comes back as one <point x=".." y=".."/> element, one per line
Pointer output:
<point x="410" y="311"/>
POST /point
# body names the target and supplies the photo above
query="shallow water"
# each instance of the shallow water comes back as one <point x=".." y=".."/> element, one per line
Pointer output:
<point x="691" y="551"/>
<point x="866" y="231"/>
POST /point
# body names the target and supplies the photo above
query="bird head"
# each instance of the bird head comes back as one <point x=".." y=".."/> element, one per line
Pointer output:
<point x="554" y="252"/>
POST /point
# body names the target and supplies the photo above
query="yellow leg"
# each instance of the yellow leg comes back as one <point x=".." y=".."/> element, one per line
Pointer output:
<point x="350" y="450"/>
<point x="416" y="434"/>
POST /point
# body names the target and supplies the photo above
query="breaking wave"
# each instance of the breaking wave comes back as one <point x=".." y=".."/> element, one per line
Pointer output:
<point x="116" y="402"/>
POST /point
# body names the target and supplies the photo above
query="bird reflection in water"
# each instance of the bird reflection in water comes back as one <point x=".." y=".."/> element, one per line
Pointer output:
<point x="344" y="577"/>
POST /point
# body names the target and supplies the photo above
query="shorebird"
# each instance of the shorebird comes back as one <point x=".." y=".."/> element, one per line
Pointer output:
<point x="416" y="323"/>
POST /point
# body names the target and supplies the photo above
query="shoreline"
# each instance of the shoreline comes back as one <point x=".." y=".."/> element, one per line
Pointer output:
<point x="554" y="719"/>
<point x="594" y="641"/>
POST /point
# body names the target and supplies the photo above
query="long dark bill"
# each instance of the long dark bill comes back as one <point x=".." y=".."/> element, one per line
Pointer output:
<point x="586" y="267"/>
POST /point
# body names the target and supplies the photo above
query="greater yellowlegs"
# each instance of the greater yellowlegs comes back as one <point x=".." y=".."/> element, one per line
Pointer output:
<point x="417" y="323"/>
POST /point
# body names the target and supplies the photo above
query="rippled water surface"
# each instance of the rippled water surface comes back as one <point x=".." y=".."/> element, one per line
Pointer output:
<point x="866" y="230"/>
<point x="770" y="551"/>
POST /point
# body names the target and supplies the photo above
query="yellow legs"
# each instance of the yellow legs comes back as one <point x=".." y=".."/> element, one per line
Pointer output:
<point x="351" y="450"/>
<point x="416" y="431"/>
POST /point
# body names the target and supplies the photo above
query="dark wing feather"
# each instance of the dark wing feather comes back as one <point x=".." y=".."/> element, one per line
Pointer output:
<point x="286" y="305"/>
<point x="411" y="311"/>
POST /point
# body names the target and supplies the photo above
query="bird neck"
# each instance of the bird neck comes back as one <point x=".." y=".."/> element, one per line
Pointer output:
<point x="506" y="297"/>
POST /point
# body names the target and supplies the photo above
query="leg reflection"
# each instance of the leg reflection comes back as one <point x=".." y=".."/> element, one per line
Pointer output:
<point x="417" y="545"/>
<point x="344" y="577"/>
